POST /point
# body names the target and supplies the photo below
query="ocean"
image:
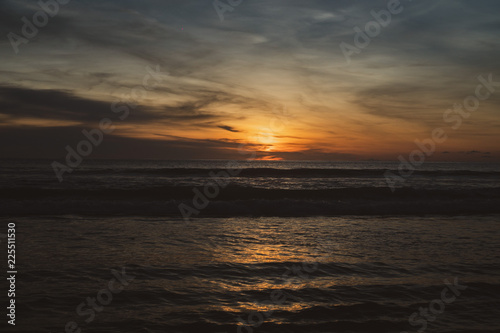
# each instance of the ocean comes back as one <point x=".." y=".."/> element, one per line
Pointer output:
<point x="253" y="246"/>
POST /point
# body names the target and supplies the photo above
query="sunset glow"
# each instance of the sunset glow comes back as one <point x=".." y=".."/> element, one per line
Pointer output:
<point x="214" y="88"/>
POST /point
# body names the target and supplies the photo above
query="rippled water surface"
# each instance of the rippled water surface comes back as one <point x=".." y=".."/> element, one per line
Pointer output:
<point x="269" y="274"/>
<point x="281" y="247"/>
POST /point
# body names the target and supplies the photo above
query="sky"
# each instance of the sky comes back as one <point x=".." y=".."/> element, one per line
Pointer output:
<point x="184" y="80"/>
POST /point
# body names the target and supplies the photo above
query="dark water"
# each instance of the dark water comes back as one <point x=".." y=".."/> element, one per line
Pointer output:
<point x="283" y="247"/>
<point x="256" y="188"/>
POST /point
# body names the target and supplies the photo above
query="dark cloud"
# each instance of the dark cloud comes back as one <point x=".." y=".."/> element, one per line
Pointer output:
<point x="64" y="105"/>
<point x="50" y="142"/>
<point x="50" y="104"/>
<point x="228" y="128"/>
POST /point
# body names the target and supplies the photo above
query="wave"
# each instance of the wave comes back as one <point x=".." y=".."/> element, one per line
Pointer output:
<point x="238" y="192"/>
<point x="246" y="201"/>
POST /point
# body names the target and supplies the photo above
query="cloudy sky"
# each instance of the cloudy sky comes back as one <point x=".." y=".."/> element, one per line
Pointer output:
<point x="270" y="75"/>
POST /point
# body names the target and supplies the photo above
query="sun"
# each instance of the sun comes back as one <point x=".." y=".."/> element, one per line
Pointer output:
<point x="265" y="137"/>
